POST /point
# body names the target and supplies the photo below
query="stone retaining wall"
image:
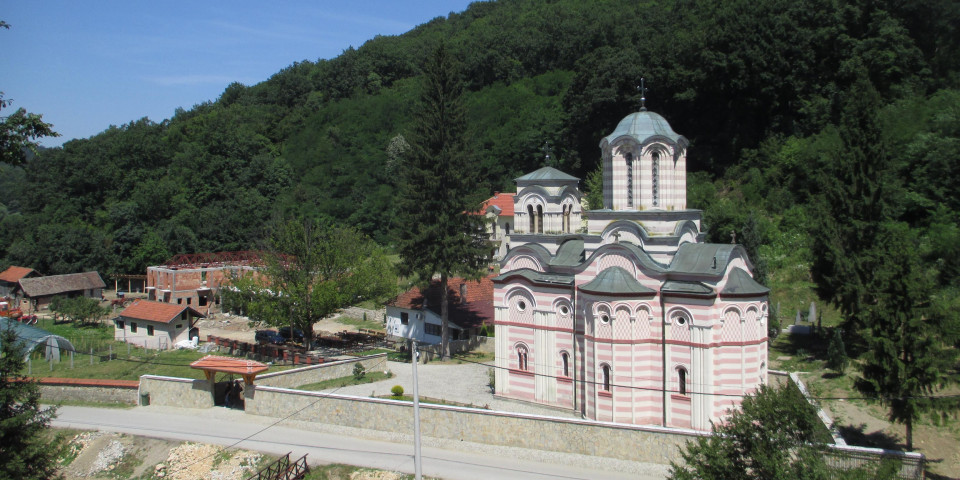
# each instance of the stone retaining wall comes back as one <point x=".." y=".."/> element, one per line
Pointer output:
<point x="318" y="373"/>
<point x="624" y="442"/>
<point x="57" y="390"/>
<point x="177" y="392"/>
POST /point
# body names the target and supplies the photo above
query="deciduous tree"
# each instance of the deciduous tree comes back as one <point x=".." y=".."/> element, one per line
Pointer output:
<point x="311" y="271"/>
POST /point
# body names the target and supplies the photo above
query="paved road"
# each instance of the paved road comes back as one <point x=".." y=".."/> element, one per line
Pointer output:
<point x="234" y="428"/>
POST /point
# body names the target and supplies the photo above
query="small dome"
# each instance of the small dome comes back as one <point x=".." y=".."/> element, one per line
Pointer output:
<point x="644" y="126"/>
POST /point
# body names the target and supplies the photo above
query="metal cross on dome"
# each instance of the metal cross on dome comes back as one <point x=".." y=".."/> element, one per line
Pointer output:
<point x="643" y="96"/>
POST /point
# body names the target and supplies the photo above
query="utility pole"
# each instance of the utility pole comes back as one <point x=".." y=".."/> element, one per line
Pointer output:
<point x="415" y="358"/>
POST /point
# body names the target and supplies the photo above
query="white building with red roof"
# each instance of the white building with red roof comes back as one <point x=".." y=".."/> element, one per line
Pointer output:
<point x="498" y="210"/>
<point x="156" y="325"/>
<point x="415" y="314"/>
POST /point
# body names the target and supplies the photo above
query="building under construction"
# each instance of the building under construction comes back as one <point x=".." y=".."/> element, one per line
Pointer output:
<point x="196" y="279"/>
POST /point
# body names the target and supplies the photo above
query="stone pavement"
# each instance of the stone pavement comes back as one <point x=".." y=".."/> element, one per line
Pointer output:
<point x="466" y="383"/>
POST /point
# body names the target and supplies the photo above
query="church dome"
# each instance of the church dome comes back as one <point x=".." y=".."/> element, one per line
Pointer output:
<point x="645" y="126"/>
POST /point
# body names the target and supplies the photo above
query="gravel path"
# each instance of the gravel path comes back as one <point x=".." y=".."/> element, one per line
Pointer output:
<point x="465" y="383"/>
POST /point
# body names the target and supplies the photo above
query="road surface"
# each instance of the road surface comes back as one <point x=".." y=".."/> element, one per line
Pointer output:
<point x="235" y="429"/>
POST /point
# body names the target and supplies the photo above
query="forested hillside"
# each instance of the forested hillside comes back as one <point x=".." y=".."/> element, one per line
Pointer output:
<point x="759" y="87"/>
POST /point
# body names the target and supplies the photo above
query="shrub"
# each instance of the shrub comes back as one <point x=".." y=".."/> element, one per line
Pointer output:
<point x="359" y="371"/>
<point x="396" y="391"/>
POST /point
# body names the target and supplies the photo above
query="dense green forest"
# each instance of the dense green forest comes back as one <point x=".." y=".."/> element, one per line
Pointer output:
<point x="760" y="89"/>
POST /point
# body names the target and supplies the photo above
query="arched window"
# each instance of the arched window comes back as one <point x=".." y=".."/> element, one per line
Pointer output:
<point x="521" y="357"/>
<point x="539" y="218"/>
<point x="533" y="219"/>
<point x="629" y="159"/>
<point x="656" y="178"/>
<point x="682" y="380"/>
<point x="606" y="377"/>
<point x="565" y="359"/>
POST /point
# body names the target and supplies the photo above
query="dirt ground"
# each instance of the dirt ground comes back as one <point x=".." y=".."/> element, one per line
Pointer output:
<point x="238" y="328"/>
<point x="100" y="455"/>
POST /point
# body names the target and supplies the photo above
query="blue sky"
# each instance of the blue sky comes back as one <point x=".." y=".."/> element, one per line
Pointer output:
<point x="87" y="65"/>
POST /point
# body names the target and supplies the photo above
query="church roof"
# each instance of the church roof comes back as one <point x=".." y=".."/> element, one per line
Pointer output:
<point x="547" y="173"/>
<point x="740" y="283"/>
<point x="536" y="277"/>
<point x="686" y="288"/>
<point x="615" y="281"/>
<point x="644" y="125"/>
<point x="570" y="253"/>
<point x="702" y="258"/>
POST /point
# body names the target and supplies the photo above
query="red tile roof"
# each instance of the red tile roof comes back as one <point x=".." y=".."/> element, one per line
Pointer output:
<point x="238" y="366"/>
<point x="503" y="201"/>
<point x="156" y="311"/>
<point x="14" y="274"/>
<point x="475" y="311"/>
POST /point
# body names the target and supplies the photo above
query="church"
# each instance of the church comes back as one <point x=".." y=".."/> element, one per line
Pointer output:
<point x="623" y="313"/>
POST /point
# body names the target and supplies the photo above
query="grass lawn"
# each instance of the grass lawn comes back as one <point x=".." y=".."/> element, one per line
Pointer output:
<point x="369" y="324"/>
<point x="111" y="359"/>
<point x="347" y="381"/>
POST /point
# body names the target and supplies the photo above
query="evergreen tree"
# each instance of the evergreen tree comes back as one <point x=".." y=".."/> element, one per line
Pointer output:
<point x="907" y="359"/>
<point x="837" y="353"/>
<point x="27" y="449"/>
<point x="437" y="232"/>
<point x="850" y="205"/>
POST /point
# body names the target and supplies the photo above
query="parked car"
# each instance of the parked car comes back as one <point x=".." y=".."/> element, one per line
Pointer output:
<point x="269" y="336"/>
<point x="297" y="335"/>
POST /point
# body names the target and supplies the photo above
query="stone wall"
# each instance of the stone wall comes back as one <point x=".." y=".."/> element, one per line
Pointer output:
<point x="623" y="442"/>
<point x="318" y="373"/>
<point x="57" y="390"/>
<point x="177" y="392"/>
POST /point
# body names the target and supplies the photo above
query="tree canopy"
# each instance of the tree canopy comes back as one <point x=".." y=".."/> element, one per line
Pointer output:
<point x="311" y="271"/>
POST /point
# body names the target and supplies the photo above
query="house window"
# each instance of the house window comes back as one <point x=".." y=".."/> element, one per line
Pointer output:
<point x="606" y="377"/>
<point x="188" y="301"/>
<point x="120" y="324"/>
<point x="682" y="380"/>
<point x="202" y="301"/>
<point x="522" y="357"/>
<point x="404" y="318"/>
<point x="150" y="330"/>
<point x="179" y="326"/>
<point x="133" y="327"/>
<point x="432" y="329"/>
<point x="184" y="315"/>
<point x="180" y="301"/>
<point x="565" y="359"/>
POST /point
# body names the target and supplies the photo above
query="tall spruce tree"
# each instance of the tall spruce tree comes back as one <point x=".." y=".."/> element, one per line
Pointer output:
<point x="438" y="234"/>
<point x="852" y="202"/>
<point x="27" y="449"/>
<point x="907" y="359"/>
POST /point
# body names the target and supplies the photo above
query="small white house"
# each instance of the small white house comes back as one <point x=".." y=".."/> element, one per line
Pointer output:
<point x="415" y="315"/>
<point x="156" y="325"/>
